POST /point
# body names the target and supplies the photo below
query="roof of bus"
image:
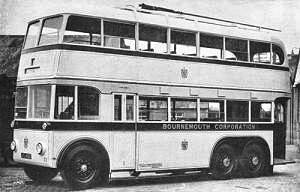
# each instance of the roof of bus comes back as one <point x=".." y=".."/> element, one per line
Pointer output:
<point x="181" y="22"/>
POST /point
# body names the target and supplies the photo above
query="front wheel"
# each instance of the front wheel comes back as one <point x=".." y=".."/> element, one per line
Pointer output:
<point x="224" y="162"/>
<point x="84" y="167"/>
<point x="40" y="174"/>
<point x="254" y="160"/>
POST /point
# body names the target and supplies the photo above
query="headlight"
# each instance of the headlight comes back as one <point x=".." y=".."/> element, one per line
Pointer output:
<point x="13" y="146"/>
<point x="12" y="124"/>
<point x="40" y="149"/>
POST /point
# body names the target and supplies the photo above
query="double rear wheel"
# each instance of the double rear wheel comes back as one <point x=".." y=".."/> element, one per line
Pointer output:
<point x="224" y="162"/>
<point x="253" y="161"/>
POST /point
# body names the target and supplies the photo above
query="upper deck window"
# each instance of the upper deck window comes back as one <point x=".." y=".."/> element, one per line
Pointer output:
<point x="83" y="30"/>
<point x="152" y="38"/>
<point x="277" y="55"/>
<point x="51" y="30"/>
<point x="32" y="35"/>
<point x="119" y="35"/>
<point x="236" y="49"/>
<point x="260" y="52"/>
<point x="183" y="43"/>
<point x="211" y="46"/>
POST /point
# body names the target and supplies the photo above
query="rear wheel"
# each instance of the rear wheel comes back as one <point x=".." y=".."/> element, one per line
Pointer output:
<point x="254" y="160"/>
<point x="40" y="174"/>
<point x="224" y="162"/>
<point x="84" y="167"/>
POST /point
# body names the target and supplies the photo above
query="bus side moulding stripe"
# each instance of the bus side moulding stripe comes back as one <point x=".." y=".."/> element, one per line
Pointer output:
<point x="152" y="55"/>
<point x="164" y="126"/>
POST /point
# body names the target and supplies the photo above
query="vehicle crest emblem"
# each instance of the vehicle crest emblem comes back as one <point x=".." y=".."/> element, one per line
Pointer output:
<point x="25" y="142"/>
<point x="184" y="145"/>
<point x="184" y="73"/>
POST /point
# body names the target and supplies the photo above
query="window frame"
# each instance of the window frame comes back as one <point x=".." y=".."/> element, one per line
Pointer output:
<point x="152" y="96"/>
<point x="169" y="37"/>
<point x="61" y="30"/>
<point x="248" y="111"/>
<point x="65" y="23"/>
<point x="272" y="120"/>
<point x="168" y="29"/>
<point x="170" y="107"/>
<point x="37" y="35"/>
<point x="213" y="100"/>
<point x="123" y="106"/>
<point x="26" y="106"/>
<point x="77" y="103"/>
<point x="121" y="22"/>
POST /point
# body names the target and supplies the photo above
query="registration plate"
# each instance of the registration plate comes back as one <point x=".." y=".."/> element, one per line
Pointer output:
<point x="26" y="155"/>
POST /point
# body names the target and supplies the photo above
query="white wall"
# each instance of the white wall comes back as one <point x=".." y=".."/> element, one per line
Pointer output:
<point x="282" y="14"/>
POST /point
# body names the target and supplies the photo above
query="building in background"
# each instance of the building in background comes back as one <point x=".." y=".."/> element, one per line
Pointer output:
<point x="293" y="136"/>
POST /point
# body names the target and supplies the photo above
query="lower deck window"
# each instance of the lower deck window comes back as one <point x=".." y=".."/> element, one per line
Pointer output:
<point x="184" y="110"/>
<point x="129" y="107"/>
<point x="88" y="103"/>
<point x="153" y="109"/>
<point x="211" y="110"/>
<point x="237" y="111"/>
<point x="21" y="103"/>
<point x="261" y="111"/>
<point x="39" y="101"/>
<point x="64" y="102"/>
<point x="118" y="107"/>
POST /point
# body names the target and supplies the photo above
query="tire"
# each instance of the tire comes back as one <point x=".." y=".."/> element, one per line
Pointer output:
<point x="84" y="167"/>
<point x="8" y="157"/>
<point x="40" y="174"/>
<point x="224" y="162"/>
<point x="254" y="160"/>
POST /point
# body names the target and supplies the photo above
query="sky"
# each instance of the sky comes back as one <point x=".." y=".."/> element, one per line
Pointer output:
<point x="279" y="14"/>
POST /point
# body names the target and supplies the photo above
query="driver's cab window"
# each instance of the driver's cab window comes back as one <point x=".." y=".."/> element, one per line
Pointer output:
<point x="279" y="113"/>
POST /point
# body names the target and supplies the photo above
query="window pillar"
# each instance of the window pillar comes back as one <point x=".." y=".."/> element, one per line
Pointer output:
<point x="169" y="109"/>
<point x="198" y="44"/>
<point x="168" y="40"/>
<point x="198" y="109"/>
<point x="52" y="101"/>
<point x="137" y="36"/>
<point x="102" y="33"/>
<point x="76" y="103"/>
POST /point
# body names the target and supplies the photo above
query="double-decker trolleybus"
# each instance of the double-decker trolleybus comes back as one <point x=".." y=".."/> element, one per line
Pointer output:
<point x="148" y="90"/>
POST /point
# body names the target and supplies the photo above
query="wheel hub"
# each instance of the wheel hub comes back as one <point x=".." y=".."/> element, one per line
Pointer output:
<point x="84" y="168"/>
<point x="255" y="160"/>
<point x="226" y="162"/>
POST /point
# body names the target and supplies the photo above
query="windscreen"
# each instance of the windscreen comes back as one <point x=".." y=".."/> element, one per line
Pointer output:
<point x="32" y="35"/>
<point x="51" y="30"/>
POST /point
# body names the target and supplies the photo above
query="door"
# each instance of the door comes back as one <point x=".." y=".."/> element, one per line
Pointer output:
<point x="280" y="122"/>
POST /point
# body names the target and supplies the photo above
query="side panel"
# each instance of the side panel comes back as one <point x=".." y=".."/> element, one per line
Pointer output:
<point x="165" y="71"/>
<point x="185" y="149"/>
<point x="119" y="145"/>
<point x="38" y="64"/>
<point x="26" y="141"/>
